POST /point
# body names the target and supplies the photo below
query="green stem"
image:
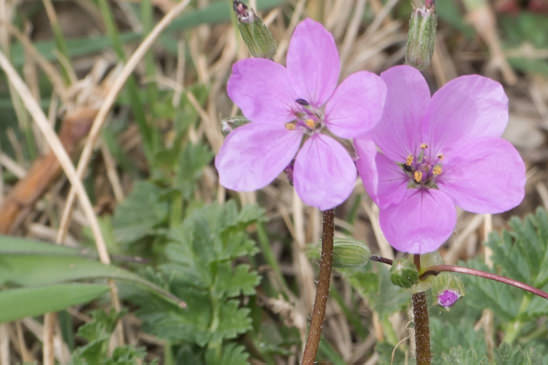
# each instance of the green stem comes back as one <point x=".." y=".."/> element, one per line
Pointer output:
<point x="513" y="328"/>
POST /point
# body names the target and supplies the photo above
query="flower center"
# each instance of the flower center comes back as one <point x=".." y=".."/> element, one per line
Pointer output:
<point x="307" y="117"/>
<point x="422" y="168"/>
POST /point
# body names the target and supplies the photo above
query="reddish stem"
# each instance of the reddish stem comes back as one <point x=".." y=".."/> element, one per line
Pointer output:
<point x="422" y="323"/>
<point x="381" y="259"/>
<point x="322" y="290"/>
<point x="436" y="269"/>
<point x="422" y="328"/>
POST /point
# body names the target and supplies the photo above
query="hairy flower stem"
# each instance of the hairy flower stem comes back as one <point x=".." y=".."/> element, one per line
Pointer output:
<point x="436" y="269"/>
<point x="422" y="328"/>
<point x="422" y="325"/>
<point x="322" y="289"/>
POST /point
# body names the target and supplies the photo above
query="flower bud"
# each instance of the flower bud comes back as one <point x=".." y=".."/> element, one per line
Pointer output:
<point x="404" y="272"/>
<point x="422" y="36"/>
<point x="349" y="253"/>
<point x="448" y="288"/>
<point x="255" y="34"/>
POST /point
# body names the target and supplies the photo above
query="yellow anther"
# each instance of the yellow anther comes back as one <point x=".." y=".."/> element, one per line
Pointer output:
<point x="437" y="170"/>
<point x="310" y="123"/>
<point x="424" y="146"/>
<point x="290" y="126"/>
<point x="417" y="176"/>
<point x="409" y="160"/>
<point x="440" y="156"/>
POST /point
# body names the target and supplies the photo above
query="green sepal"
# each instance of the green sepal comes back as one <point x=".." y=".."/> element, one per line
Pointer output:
<point x="421" y="37"/>
<point x="404" y="273"/>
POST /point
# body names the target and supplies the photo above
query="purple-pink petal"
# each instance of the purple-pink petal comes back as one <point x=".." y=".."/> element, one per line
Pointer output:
<point x="313" y="62"/>
<point x="420" y="223"/>
<point x="448" y="297"/>
<point x="356" y="106"/>
<point x="262" y="90"/>
<point x="324" y="173"/>
<point x="254" y="154"/>
<point x="466" y="107"/>
<point x="399" y="131"/>
<point x="392" y="182"/>
<point x="485" y="175"/>
<point x="367" y="168"/>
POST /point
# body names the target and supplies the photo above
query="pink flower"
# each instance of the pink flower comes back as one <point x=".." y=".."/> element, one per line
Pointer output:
<point x="301" y="101"/>
<point x="437" y="153"/>
<point x="448" y="297"/>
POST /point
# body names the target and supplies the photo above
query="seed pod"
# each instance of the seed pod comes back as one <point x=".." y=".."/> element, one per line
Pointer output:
<point x="349" y="253"/>
<point x="255" y="34"/>
<point x="421" y="37"/>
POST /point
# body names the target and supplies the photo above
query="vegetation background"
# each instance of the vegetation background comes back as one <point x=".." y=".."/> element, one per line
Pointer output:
<point x="157" y="263"/>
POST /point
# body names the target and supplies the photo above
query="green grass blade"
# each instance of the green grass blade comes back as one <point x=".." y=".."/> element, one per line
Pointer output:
<point x="28" y="302"/>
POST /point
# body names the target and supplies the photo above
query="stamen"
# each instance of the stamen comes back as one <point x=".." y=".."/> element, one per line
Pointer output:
<point x="310" y="123"/>
<point x="303" y="102"/>
<point x="290" y="126"/>
<point x="440" y="156"/>
<point x="409" y="160"/>
<point x="424" y="146"/>
<point x="437" y="170"/>
<point x="417" y="176"/>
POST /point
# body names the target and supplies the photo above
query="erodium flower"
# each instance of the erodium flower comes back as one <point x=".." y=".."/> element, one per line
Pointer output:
<point x="430" y="154"/>
<point x="301" y="101"/>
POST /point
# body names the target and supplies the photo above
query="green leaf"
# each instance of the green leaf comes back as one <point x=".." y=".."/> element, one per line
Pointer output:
<point x="462" y="355"/>
<point x="520" y="254"/>
<point x="139" y="213"/>
<point x="28" y="302"/>
<point x="232" y="354"/>
<point x="446" y="336"/>
<point x="507" y="354"/>
<point x="17" y="245"/>
<point x="483" y="293"/>
<point x="233" y="321"/>
<point x="232" y="282"/>
<point x="36" y="263"/>
<point x="191" y="324"/>
<point x="192" y="161"/>
<point x="200" y="268"/>
<point x="98" y="332"/>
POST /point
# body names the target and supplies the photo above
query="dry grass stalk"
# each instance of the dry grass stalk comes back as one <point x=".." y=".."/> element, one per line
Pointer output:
<point x="44" y="170"/>
<point x="117" y="86"/>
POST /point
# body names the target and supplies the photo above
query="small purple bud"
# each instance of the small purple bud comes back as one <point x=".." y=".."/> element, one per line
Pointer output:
<point x="448" y="297"/>
<point x="240" y="9"/>
<point x="302" y="102"/>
